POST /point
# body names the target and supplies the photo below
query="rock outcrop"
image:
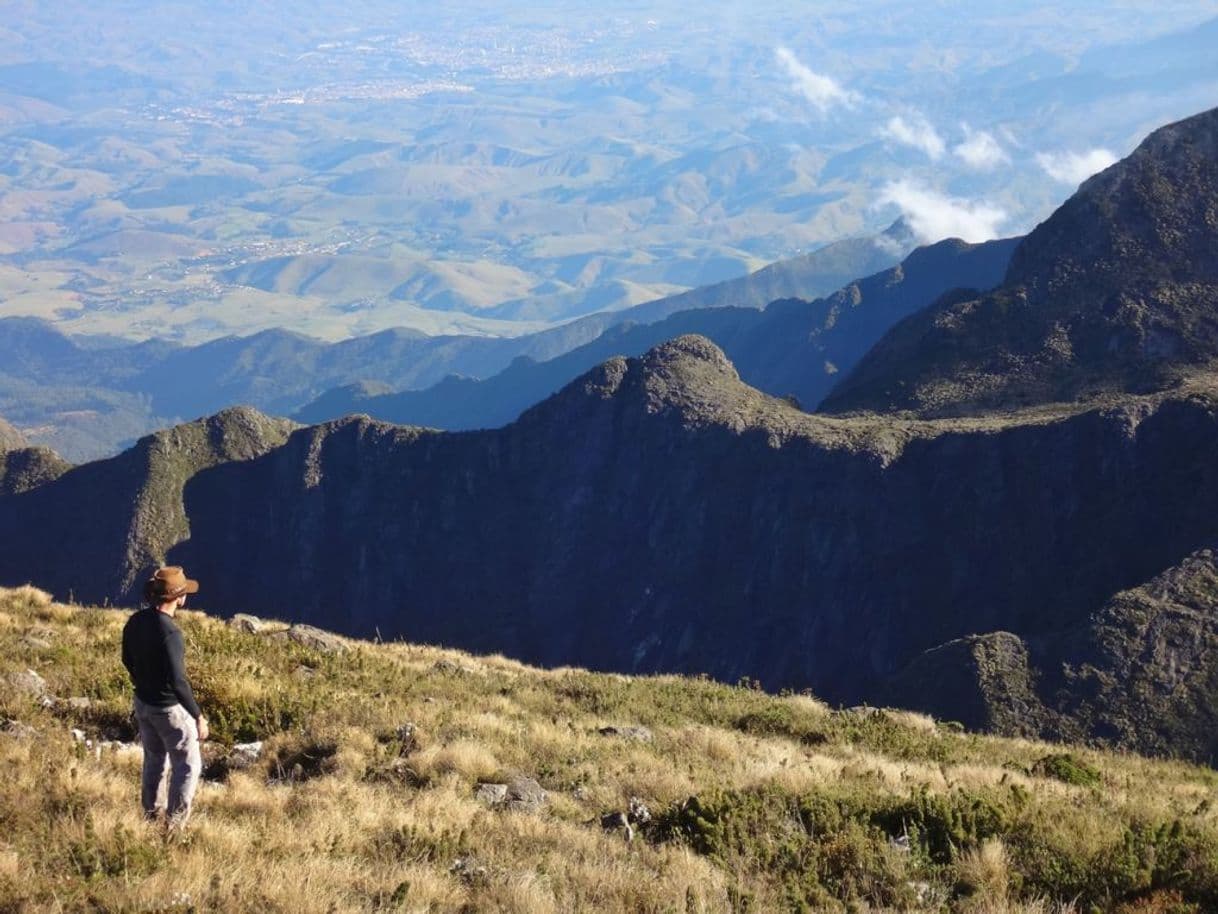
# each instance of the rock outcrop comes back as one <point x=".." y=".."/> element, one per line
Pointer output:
<point x="1140" y="672"/>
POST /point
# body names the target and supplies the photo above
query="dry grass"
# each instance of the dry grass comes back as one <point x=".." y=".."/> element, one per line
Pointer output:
<point x="382" y="826"/>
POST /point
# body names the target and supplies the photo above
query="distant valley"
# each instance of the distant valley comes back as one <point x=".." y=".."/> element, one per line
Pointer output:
<point x="88" y="397"/>
<point x="480" y="170"/>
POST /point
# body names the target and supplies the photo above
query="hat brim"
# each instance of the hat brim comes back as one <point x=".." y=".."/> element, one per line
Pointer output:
<point x="152" y="591"/>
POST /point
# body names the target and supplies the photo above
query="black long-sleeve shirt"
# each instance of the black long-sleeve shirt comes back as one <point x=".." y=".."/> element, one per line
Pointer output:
<point x="154" y="655"/>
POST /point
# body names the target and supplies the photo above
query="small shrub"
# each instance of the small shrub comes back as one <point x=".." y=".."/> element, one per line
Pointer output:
<point x="312" y="759"/>
<point x="1069" y="769"/>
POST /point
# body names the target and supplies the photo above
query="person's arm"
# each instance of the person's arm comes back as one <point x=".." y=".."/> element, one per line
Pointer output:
<point x="127" y="651"/>
<point x="177" y="674"/>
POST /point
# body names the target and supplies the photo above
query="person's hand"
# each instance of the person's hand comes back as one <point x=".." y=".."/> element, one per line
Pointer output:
<point x="204" y="730"/>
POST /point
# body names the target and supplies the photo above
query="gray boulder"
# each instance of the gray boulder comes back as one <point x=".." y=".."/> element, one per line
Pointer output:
<point x="247" y="623"/>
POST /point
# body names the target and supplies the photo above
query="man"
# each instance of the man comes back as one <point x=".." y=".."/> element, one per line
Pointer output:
<point x="169" y="718"/>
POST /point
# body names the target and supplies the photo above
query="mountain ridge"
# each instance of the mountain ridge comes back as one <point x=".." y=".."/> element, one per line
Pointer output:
<point x="791" y="347"/>
<point x="1117" y="290"/>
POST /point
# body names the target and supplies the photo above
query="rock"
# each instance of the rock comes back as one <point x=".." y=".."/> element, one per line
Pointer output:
<point x="30" y="683"/>
<point x="641" y="734"/>
<point x="80" y="736"/>
<point x="526" y="795"/>
<point x="491" y="794"/>
<point x="79" y="703"/>
<point x="246" y="623"/>
<point x="616" y="821"/>
<point x="407" y="737"/>
<point x="317" y="639"/>
<point x="469" y="870"/>
<point x="304" y="672"/>
<point x="17" y="729"/>
<point x="580" y="793"/>
<point x="638" y="813"/>
<point x="34" y="643"/>
<point x="243" y="755"/>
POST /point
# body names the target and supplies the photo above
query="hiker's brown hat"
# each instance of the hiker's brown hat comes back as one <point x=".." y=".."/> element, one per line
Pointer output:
<point x="169" y="583"/>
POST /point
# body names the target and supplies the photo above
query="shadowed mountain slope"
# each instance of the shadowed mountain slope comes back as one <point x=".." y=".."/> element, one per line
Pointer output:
<point x="23" y="467"/>
<point x="791" y="347"/>
<point x="1141" y="671"/>
<point x="657" y="514"/>
<point x="114" y="518"/>
<point x="1116" y="291"/>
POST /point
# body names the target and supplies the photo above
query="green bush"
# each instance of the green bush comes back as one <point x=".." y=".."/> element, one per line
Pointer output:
<point x="1069" y="769"/>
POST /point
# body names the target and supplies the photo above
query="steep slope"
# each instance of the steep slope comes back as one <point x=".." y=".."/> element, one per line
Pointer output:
<point x="790" y="348"/>
<point x="1116" y="291"/>
<point x="114" y="518"/>
<point x="23" y="467"/>
<point x="657" y="514"/>
<point x="1141" y="672"/>
<point x="423" y="779"/>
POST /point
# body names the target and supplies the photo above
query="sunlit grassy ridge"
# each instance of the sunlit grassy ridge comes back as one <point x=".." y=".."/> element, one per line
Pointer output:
<point x="759" y="803"/>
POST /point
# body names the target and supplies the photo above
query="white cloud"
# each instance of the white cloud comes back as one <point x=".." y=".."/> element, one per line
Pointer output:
<point x="1074" y="167"/>
<point x="916" y="132"/>
<point x="822" y="91"/>
<point x="980" y="150"/>
<point x="934" y="216"/>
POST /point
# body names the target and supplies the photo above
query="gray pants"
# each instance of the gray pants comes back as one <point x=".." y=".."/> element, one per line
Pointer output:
<point x="169" y="735"/>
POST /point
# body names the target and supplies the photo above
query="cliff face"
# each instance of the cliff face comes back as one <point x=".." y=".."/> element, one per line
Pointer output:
<point x="660" y="515"/>
<point x="1140" y="672"/>
<point x="94" y="529"/>
<point x="1116" y="291"/>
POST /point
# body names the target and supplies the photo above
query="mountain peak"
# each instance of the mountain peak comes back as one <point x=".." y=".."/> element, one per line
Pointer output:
<point x="235" y="433"/>
<point x="1117" y="291"/>
<point x="691" y="350"/>
<point x="1156" y="211"/>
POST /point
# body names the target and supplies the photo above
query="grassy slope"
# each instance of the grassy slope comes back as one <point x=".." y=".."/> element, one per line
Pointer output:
<point x="793" y="805"/>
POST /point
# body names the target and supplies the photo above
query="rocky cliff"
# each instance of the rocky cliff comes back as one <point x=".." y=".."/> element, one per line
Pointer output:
<point x="1116" y="291"/>
<point x="96" y="528"/>
<point x="23" y="467"/>
<point x="658" y="514"/>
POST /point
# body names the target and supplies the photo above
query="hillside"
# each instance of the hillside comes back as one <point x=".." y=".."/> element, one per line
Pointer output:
<point x="373" y="790"/>
<point x="118" y="516"/>
<point x="693" y="523"/>
<point x="1116" y="291"/>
